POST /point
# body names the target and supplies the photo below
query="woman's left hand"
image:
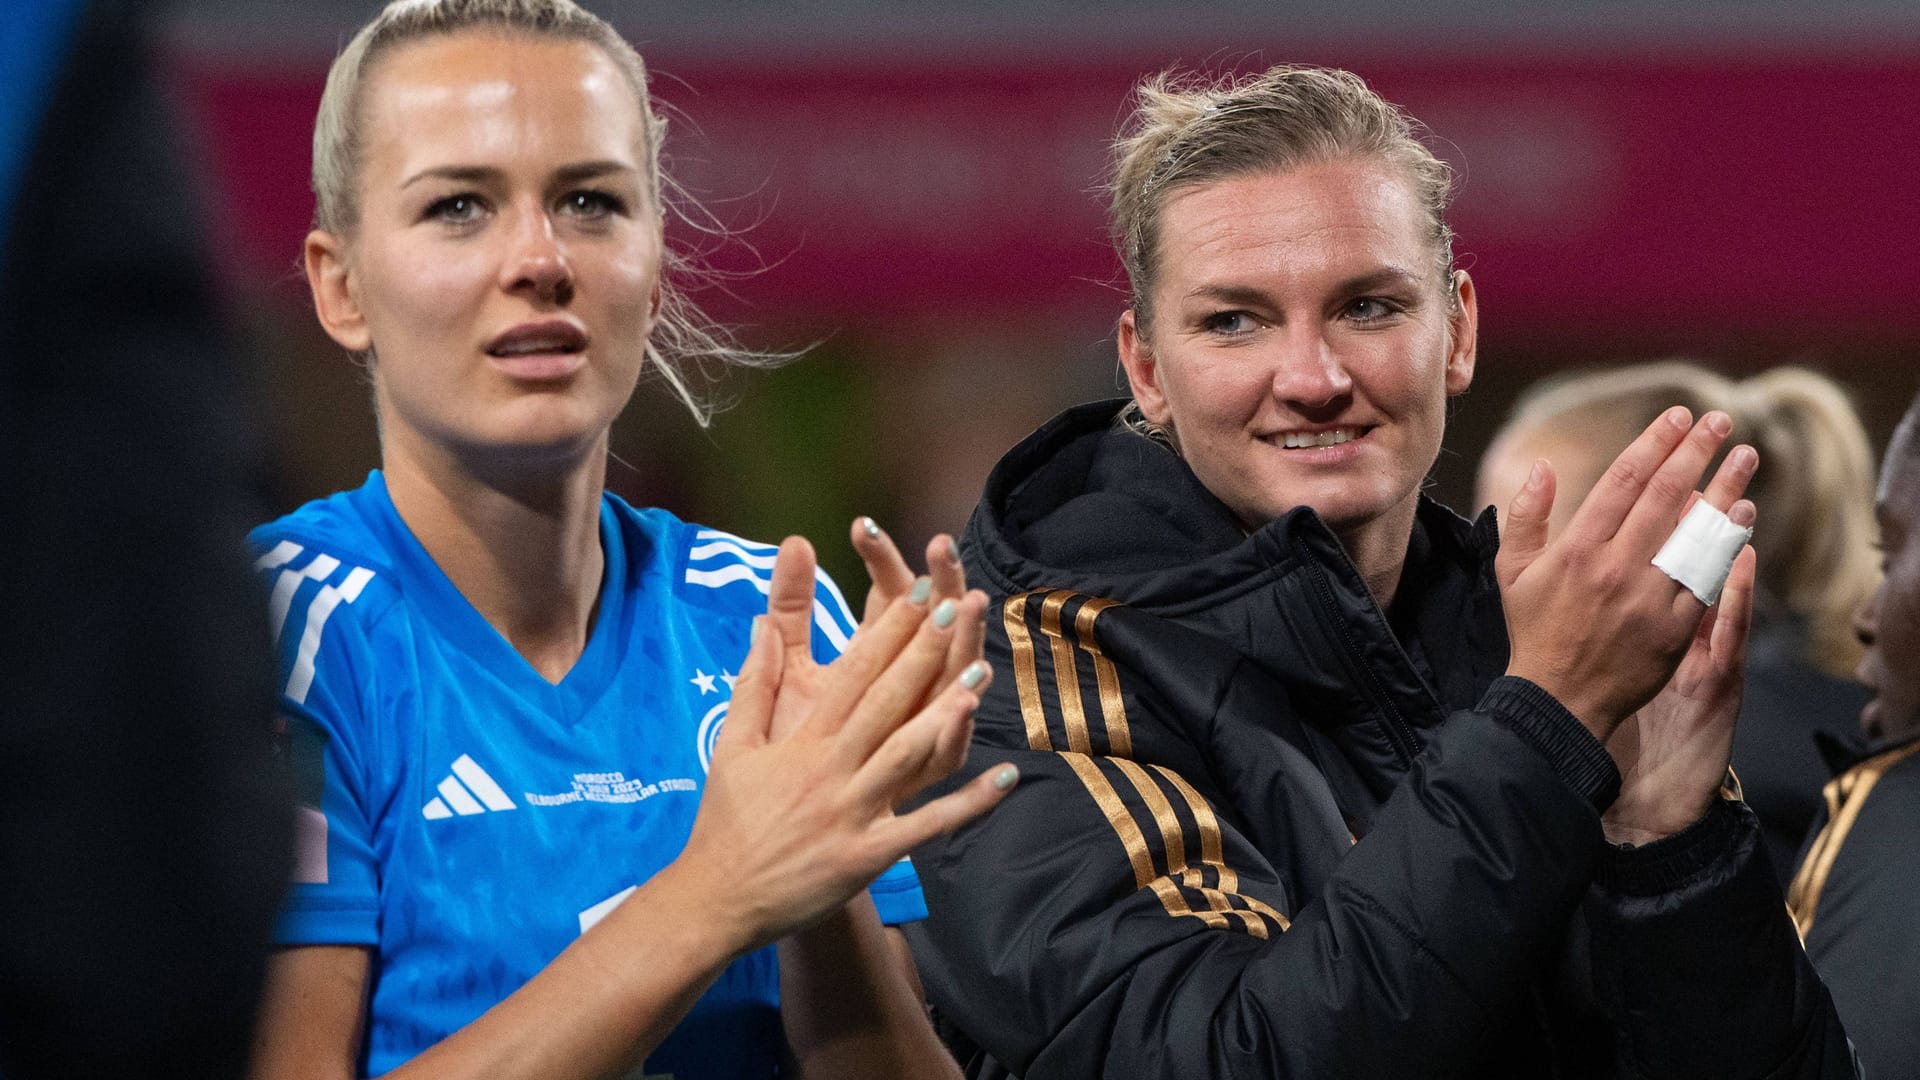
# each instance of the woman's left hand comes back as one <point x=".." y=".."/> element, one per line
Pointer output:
<point x="1685" y="734"/>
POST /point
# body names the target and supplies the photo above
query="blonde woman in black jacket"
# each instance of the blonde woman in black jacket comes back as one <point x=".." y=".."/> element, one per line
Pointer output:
<point x="1314" y="781"/>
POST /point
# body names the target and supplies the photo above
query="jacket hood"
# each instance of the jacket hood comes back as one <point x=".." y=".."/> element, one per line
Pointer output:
<point x="1085" y="504"/>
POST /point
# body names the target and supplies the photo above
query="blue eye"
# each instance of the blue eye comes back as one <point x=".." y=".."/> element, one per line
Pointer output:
<point x="592" y="204"/>
<point x="1370" y="309"/>
<point x="456" y="209"/>
<point x="1229" y="323"/>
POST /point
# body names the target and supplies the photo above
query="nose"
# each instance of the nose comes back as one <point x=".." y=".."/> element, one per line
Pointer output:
<point x="537" y="265"/>
<point x="1309" y="374"/>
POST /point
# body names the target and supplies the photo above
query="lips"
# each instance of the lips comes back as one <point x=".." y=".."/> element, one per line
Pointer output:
<point x="1318" y="438"/>
<point x="542" y="338"/>
<point x="542" y="352"/>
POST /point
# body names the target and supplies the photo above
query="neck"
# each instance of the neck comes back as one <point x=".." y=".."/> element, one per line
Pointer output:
<point x="521" y="542"/>
<point x="1379" y="551"/>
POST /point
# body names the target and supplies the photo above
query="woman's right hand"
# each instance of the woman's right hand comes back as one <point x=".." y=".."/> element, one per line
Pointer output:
<point x="798" y="817"/>
<point x="1591" y="620"/>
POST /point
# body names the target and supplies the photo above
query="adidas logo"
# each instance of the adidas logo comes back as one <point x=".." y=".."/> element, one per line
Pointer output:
<point x="467" y="792"/>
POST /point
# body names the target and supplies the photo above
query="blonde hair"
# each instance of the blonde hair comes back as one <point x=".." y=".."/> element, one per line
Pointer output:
<point x="1814" y="487"/>
<point x="1191" y="129"/>
<point x="684" y="343"/>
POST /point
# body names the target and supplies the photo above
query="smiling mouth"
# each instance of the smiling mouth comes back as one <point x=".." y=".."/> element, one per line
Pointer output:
<point x="1310" y="440"/>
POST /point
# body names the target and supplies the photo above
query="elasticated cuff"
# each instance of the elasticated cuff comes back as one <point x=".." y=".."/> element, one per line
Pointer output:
<point x="1665" y="865"/>
<point x="1546" y="725"/>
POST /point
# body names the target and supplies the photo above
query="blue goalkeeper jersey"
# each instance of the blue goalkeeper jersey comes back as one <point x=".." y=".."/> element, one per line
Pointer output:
<point x="464" y="818"/>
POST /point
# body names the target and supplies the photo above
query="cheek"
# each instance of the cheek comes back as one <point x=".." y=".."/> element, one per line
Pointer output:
<point x="413" y="294"/>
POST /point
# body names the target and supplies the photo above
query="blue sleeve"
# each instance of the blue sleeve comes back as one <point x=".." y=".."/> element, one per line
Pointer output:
<point x="334" y="898"/>
<point x="897" y="896"/>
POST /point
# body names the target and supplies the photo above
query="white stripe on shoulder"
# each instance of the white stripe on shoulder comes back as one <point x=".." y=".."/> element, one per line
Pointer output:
<point x="839" y="603"/>
<point x="318" y="568"/>
<point x="300" y="681"/>
<point x="727" y="575"/>
<point x="728" y="547"/>
<point x="282" y="554"/>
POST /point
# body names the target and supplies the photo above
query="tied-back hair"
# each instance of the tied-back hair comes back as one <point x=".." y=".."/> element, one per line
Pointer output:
<point x="1190" y="129"/>
<point x="1814" y="487"/>
<point x="685" y="345"/>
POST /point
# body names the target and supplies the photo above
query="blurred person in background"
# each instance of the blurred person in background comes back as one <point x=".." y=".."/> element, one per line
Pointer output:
<point x="1853" y="896"/>
<point x="1313" y="781"/>
<point x="503" y="688"/>
<point x="143" y="824"/>
<point x="1816" y="553"/>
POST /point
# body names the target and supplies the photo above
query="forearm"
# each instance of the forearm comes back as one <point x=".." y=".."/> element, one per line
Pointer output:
<point x="850" y="1003"/>
<point x="1694" y="954"/>
<point x="612" y="996"/>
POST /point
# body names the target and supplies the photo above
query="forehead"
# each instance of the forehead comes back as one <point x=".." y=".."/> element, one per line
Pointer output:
<point x="482" y="97"/>
<point x="1337" y="218"/>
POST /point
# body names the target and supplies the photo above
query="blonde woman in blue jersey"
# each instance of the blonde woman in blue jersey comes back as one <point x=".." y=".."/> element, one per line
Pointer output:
<point x="562" y="820"/>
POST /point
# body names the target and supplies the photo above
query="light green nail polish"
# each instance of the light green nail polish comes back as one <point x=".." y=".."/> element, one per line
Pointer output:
<point x="975" y="674"/>
<point x="867" y="526"/>
<point x="1006" y="777"/>
<point x="943" y="614"/>
<point x="922" y="589"/>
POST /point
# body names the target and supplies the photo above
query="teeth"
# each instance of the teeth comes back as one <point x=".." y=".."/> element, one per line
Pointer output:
<point x="1300" y="440"/>
<point x="527" y="348"/>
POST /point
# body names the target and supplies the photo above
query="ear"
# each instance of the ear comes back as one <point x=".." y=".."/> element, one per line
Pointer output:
<point x="1464" y="336"/>
<point x="335" y="295"/>
<point x="1143" y="371"/>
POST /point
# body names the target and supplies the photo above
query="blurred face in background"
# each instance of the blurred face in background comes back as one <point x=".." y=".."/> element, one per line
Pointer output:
<point x="505" y="266"/>
<point x="1889" y="622"/>
<point x="1304" y="341"/>
<point x="1577" y="466"/>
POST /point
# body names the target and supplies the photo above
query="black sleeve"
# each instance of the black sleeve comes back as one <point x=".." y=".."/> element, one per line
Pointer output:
<point x="1696" y="958"/>
<point x="143" y="824"/>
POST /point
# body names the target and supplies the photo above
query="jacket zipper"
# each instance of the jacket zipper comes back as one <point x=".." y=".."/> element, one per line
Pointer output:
<point x="1400" y="733"/>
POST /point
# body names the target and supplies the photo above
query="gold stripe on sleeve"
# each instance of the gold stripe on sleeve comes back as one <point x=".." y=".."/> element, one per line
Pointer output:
<point x="1849" y="791"/>
<point x="1211" y="850"/>
<point x="1066" y="677"/>
<point x="1117" y="816"/>
<point x="1026" y="678"/>
<point x="1113" y="708"/>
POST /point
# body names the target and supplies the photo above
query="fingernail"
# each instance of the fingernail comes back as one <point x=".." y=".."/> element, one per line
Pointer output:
<point x="753" y="631"/>
<point x="867" y="526"/>
<point x="922" y="589"/>
<point x="1742" y="514"/>
<point x="1006" y="777"/>
<point x="1679" y="417"/>
<point x="1745" y="457"/>
<point x="1533" y="475"/>
<point x="1719" y="423"/>
<point x="974" y="675"/>
<point x="943" y="614"/>
<point x="953" y="550"/>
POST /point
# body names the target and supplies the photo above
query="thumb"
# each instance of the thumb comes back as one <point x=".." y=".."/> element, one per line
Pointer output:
<point x="1525" y="534"/>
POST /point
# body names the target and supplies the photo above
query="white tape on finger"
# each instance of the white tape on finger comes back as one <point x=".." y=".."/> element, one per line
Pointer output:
<point x="1701" y="551"/>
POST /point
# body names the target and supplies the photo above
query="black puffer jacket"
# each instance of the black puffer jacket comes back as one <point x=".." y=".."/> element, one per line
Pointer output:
<point x="1206" y="720"/>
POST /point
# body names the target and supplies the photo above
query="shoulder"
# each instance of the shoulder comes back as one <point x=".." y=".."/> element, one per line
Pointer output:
<point x="329" y="580"/>
<point x="723" y="574"/>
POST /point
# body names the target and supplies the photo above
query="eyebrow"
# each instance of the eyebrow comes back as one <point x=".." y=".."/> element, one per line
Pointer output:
<point x="1373" y="280"/>
<point x="477" y="174"/>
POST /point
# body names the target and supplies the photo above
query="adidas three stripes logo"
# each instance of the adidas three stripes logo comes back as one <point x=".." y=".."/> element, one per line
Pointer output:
<point x="468" y="790"/>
